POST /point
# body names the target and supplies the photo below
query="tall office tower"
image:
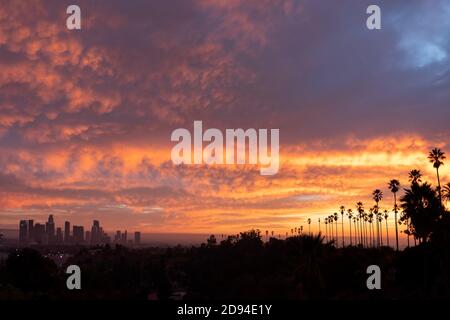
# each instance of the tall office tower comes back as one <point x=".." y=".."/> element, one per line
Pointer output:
<point x="30" y="230"/>
<point x="78" y="234"/>
<point x="50" y="228"/>
<point x="137" y="238"/>
<point x="39" y="232"/>
<point x="23" y="231"/>
<point x="95" y="232"/>
<point x="59" y="236"/>
<point x="67" y="232"/>
<point x="124" y="237"/>
<point x="117" y="237"/>
<point x="88" y="237"/>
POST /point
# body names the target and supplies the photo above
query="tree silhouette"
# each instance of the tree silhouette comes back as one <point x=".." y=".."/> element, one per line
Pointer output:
<point x="342" y="210"/>
<point x="371" y="233"/>
<point x="386" y="216"/>
<point x="415" y="176"/>
<point x="377" y="196"/>
<point x="421" y="209"/>
<point x="360" y="209"/>
<point x="446" y="192"/>
<point x="437" y="157"/>
<point x="394" y="186"/>
<point x="380" y="221"/>
<point x="336" y="217"/>
<point x="350" y="215"/>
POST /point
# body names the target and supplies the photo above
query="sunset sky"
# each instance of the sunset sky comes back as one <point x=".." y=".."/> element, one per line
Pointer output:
<point x="86" y="116"/>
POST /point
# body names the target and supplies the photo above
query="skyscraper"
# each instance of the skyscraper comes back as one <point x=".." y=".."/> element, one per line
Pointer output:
<point x="95" y="233"/>
<point x="39" y="233"/>
<point x="67" y="232"/>
<point x="124" y="237"/>
<point x="23" y="231"/>
<point x="88" y="237"/>
<point x="78" y="234"/>
<point x="50" y="228"/>
<point x="30" y="230"/>
<point x="117" y="237"/>
<point x="59" y="236"/>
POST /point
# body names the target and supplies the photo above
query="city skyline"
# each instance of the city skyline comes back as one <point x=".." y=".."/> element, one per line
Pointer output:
<point x="30" y="232"/>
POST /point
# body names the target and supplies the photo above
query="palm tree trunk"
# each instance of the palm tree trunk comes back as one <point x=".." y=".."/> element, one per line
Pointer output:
<point x="439" y="187"/>
<point x="373" y="234"/>
<point x="365" y="233"/>
<point x="395" y="214"/>
<point x="350" y="228"/>
<point x="407" y="228"/>
<point x="381" y="233"/>
<point x="337" y="237"/>
<point x="360" y="233"/>
<point x="387" y="233"/>
<point x="342" y="227"/>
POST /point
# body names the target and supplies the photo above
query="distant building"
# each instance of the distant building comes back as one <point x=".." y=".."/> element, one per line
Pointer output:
<point x="30" y="230"/>
<point x="67" y="232"/>
<point x="88" y="237"/>
<point x="95" y="232"/>
<point x="117" y="237"/>
<point x="137" y="238"/>
<point x="23" y="231"/>
<point x="124" y="237"/>
<point x="78" y="234"/>
<point x="59" y="236"/>
<point x="50" y="228"/>
<point x="39" y="233"/>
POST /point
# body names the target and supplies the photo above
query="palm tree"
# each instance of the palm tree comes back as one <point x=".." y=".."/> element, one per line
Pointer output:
<point x="354" y="227"/>
<point x="319" y="227"/>
<point x="405" y="218"/>
<point x="342" y="209"/>
<point x="437" y="157"/>
<point x="377" y="196"/>
<point x="360" y="209"/>
<point x="370" y="219"/>
<point x="386" y="216"/>
<point x="415" y="176"/>
<point x="421" y="208"/>
<point x="350" y="215"/>
<point x="394" y="186"/>
<point x="326" y="228"/>
<point x="309" y="226"/>
<point x="336" y="217"/>
<point x="365" y="217"/>
<point x="380" y="221"/>
<point x="267" y="235"/>
<point x="330" y="221"/>
<point x="446" y="192"/>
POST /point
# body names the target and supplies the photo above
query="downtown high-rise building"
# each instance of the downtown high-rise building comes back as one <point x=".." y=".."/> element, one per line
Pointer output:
<point x="78" y="234"/>
<point x="30" y="230"/>
<point x="67" y="232"/>
<point x="50" y="229"/>
<point x="23" y="231"/>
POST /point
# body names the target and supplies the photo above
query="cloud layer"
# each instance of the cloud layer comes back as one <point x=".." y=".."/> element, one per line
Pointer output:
<point x="86" y="116"/>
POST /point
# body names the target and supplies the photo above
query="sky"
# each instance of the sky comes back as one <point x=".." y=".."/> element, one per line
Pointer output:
<point x="86" y="115"/>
